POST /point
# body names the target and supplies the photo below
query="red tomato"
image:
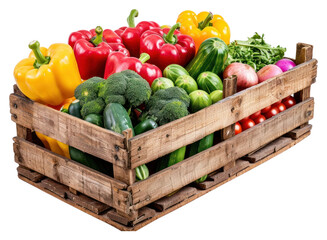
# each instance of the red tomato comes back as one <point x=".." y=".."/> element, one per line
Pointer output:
<point x="289" y="101"/>
<point x="238" y="128"/>
<point x="281" y="107"/>
<point x="259" y="119"/>
<point x="255" y="115"/>
<point x="247" y="124"/>
<point x="266" y="109"/>
<point x="244" y="120"/>
<point x="272" y="112"/>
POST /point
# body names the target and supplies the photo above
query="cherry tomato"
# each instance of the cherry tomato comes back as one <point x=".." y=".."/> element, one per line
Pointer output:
<point x="259" y="119"/>
<point x="238" y="128"/>
<point x="247" y="124"/>
<point x="255" y="115"/>
<point x="244" y="120"/>
<point x="289" y="101"/>
<point x="266" y="109"/>
<point x="281" y="107"/>
<point x="272" y="112"/>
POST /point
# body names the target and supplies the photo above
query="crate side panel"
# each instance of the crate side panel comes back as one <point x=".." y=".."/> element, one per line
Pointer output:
<point x="165" y="139"/>
<point x="187" y="171"/>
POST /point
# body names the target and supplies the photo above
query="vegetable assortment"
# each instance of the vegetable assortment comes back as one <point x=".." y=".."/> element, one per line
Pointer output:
<point x="143" y="76"/>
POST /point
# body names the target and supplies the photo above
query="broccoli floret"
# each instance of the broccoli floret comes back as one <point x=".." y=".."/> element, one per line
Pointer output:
<point x="171" y="111"/>
<point x="88" y="90"/>
<point x="95" y="106"/>
<point x="127" y="88"/>
<point x="167" y="105"/>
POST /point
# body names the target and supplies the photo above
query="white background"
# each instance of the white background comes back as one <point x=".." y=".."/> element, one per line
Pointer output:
<point x="284" y="198"/>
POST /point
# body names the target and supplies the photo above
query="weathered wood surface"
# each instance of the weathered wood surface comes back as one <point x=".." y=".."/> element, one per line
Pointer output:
<point x="30" y="174"/>
<point x="165" y="139"/>
<point x="70" y="130"/>
<point x="105" y="216"/>
<point x="143" y="214"/>
<point x="85" y="180"/>
<point x="270" y="148"/>
<point x="298" y="132"/>
<point x="172" y="178"/>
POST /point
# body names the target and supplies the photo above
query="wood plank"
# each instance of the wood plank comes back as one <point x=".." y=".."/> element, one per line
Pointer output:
<point x="169" y="201"/>
<point x="270" y="148"/>
<point x="69" y="130"/>
<point x="174" y="177"/>
<point x="298" y="132"/>
<point x="55" y="187"/>
<point x="104" y="217"/>
<point x="144" y="214"/>
<point x="30" y="174"/>
<point x="72" y="174"/>
<point x="169" y="137"/>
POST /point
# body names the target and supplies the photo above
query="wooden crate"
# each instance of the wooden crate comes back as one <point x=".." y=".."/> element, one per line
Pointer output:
<point x="129" y="205"/>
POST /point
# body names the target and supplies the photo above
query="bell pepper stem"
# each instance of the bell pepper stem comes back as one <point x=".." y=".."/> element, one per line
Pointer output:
<point x="144" y="57"/>
<point x="170" y="37"/>
<point x="99" y="34"/>
<point x="131" y="18"/>
<point x="40" y="58"/>
<point x="206" y="21"/>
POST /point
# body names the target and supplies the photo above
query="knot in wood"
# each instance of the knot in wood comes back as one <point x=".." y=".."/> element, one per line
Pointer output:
<point x="308" y="113"/>
<point x="14" y="116"/>
<point x="116" y="157"/>
<point x="232" y="109"/>
<point x="15" y="105"/>
<point x="167" y="135"/>
<point x="139" y="148"/>
<point x="117" y="148"/>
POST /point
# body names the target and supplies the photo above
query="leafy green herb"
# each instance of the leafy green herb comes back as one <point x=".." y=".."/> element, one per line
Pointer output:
<point x="254" y="52"/>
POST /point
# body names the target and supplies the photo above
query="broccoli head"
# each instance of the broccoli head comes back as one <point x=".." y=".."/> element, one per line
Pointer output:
<point x="127" y="88"/>
<point x="167" y="105"/>
<point x="94" y="106"/>
<point x="88" y="90"/>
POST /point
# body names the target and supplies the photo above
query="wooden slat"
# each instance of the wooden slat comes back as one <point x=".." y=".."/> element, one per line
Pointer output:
<point x="270" y="148"/>
<point x="30" y="174"/>
<point x="169" y="137"/>
<point x="72" y="174"/>
<point x="172" y="178"/>
<point x="70" y="130"/>
<point x="298" y="132"/>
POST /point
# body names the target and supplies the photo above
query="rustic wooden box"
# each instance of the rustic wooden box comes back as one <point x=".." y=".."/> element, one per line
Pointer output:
<point x="129" y="205"/>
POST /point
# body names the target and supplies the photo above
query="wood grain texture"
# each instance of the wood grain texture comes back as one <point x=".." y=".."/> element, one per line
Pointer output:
<point x="70" y="130"/>
<point x="298" y="132"/>
<point x="172" y="178"/>
<point x="167" y="138"/>
<point x="72" y="174"/>
<point x="105" y="218"/>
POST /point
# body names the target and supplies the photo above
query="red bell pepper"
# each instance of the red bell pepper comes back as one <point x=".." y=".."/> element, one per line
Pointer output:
<point x="131" y="34"/>
<point x="167" y="46"/>
<point x="91" y="56"/>
<point x="113" y="40"/>
<point x="118" y="62"/>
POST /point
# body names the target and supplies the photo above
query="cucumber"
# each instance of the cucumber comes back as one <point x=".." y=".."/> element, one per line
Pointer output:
<point x="199" y="100"/>
<point x="173" y="71"/>
<point x="141" y="172"/>
<point x="171" y="159"/>
<point x="116" y="118"/>
<point x="94" y="118"/>
<point x="211" y="56"/>
<point x="74" y="109"/>
<point x="209" y="82"/>
<point x="161" y="83"/>
<point x="144" y="126"/>
<point x="187" y="83"/>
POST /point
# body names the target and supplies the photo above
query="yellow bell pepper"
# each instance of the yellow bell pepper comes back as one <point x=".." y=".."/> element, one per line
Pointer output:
<point x="48" y="76"/>
<point x="203" y="26"/>
<point x="54" y="145"/>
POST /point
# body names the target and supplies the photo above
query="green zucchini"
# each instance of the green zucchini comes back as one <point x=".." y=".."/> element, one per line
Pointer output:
<point x="94" y="118"/>
<point x="211" y="56"/>
<point x="209" y="82"/>
<point x="173" y="71"/>
<point x="116" y="118"/>
<point x="74" y="109"/>
<point x="144" y="126"/>
<point x="141" y="172"/>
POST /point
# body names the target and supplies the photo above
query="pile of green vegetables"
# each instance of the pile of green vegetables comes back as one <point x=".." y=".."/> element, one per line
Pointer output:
<point x="126" y="100"/>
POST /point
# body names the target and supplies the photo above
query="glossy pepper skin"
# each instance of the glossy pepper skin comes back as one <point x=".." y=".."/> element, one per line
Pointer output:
<point x="48" y="76"/>
<point x="54" y="145"/>
<point x="203" y="26"/>
<point x="91" y="56"/>
<point x="167" y="46"/>
<point x="109" y="36"/>
<point x="118" y="62"/>
<point x="131" y="34"/>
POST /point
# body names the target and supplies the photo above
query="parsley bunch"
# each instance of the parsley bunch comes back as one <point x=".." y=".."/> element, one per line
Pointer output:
<point x="254" y="52"/>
